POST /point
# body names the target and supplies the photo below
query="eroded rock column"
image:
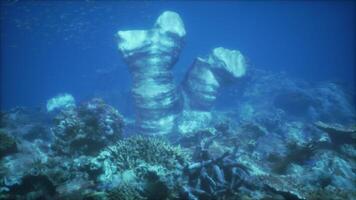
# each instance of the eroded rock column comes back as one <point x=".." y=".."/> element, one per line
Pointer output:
<point x="207" y="75"/>
<point x="151" y="54"/>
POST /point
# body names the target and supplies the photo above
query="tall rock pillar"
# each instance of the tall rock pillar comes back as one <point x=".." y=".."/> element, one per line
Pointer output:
<point x="151" y="55"/>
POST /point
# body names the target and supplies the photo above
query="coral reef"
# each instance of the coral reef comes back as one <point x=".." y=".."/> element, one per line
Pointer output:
<point x="127" y="191"/>
<point x="334" y="104"/>
<point x="296" y="154"/>
<point x="265" y="146"/>
<point x="224" y="160"/>
<point x="7" y="145"/>
<point x="87" y="129"/>
<point x="130" y="152"/>
<point x="17" y="170"/>
<point x="26" y="123"/>
<point x="143" y="164"/>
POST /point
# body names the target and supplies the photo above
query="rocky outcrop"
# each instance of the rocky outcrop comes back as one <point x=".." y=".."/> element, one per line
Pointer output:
<point x="86" y="129"/>
<point x="151" y="54"/>
<point x="207" y="75"/>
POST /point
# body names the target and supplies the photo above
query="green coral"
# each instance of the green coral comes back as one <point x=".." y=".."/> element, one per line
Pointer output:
<point x="134" y="151"/>
<point x="148" y="166"/>
<point x="7" y="144"/>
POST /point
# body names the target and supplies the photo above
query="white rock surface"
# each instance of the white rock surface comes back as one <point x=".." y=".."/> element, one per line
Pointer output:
<point x="231" y="62"/>
<point x="150" y="55"/>
<point x="61" y="101"/>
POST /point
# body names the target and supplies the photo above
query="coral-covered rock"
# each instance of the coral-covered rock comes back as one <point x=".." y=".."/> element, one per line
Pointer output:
<point x="26" y="123"/>
<point x="17" y="170"/>
<point x="87" y="129"/>
<point x="190" y="122"/>
<point x="149" y="163"/>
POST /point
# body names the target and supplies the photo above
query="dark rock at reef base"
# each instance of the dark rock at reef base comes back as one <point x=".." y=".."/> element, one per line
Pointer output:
<point x="339" y="135"/>
<point x="293" y="102"/>
<point x="33" y="187"/>
<point x="7" y="145"/>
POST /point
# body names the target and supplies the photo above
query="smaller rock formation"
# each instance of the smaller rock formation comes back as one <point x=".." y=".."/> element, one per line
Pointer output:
<point x="207" y="75"/>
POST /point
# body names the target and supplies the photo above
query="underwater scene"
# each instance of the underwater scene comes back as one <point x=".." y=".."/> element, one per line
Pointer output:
<point x="177" y="100"/>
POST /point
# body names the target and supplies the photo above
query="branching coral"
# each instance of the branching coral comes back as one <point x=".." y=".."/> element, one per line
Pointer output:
<point x="131" y="152"/>
<point x="152" y="162"/>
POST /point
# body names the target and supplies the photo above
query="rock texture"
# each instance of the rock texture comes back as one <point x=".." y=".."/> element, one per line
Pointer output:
<point x="207" y="75"/>
<point x="151" y="54"/>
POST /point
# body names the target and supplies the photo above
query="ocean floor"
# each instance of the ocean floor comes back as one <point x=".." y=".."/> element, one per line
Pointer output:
<point x="268" y="137"/>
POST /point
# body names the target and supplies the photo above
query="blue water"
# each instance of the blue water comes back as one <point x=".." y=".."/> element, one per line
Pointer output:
<point x="285" y="129"/>
<point x="69" y="46"/>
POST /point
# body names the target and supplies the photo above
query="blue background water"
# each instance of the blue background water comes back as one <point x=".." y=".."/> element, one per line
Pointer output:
<point x="55" y="47"/>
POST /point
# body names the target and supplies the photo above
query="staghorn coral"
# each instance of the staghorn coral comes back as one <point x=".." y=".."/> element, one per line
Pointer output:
<point x="133" y="151"/>
<point x="151" y="164"/>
